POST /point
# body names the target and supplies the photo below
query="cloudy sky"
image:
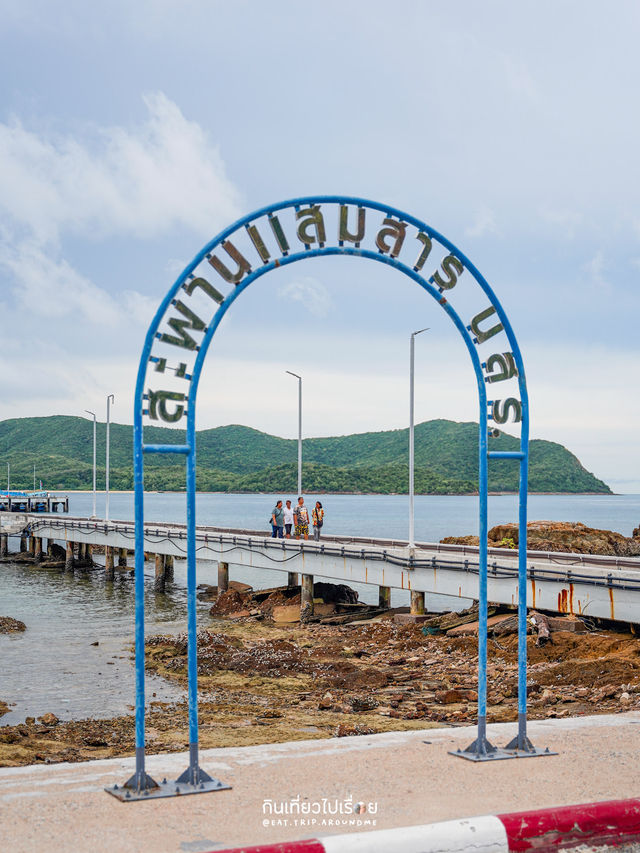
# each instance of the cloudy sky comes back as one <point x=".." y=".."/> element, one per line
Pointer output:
<point x="131" y="133"/>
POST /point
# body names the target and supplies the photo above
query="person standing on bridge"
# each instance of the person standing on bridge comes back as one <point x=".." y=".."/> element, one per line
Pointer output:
<point x="277" y="521"/>
<point x="288" y="519"/>
<point x="317" y="516"/>
<point x="302" y="519"/>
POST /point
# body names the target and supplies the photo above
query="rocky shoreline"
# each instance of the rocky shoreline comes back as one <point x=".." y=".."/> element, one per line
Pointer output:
<point x="561" y="536"/>
<point x="262" y="683"/>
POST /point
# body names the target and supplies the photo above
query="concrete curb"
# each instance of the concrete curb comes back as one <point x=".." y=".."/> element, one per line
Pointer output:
<point x="611" y="822"/>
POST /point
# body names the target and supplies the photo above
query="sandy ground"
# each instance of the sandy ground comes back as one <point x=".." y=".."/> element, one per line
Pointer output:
<point x="409" y="777"/>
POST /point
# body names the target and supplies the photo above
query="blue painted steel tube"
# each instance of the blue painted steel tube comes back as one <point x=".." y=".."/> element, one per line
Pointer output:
<point x="192" y="638"/>
<point x="166" y="448"/>
<point x="522" y="584"/>
<point x="506" y="454"/>
<point x="483" y="549"/>
<point x="138" y="478"/>
<point x="138" y="781"/>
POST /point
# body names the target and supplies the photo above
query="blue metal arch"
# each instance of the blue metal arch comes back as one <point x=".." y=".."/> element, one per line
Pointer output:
<point x="481" y="747"/>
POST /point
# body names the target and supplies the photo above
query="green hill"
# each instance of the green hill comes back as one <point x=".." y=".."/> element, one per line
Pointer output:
<point x="238" y="458"/>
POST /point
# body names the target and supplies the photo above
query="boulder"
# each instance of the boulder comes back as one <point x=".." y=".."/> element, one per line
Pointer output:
<point x="8" y="625"/>
<point x="56" y="552"/>
<point x="334" y="593"/>
<point x="561" y="536"/>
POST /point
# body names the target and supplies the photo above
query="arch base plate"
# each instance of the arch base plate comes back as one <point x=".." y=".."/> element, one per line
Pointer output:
<point x="166" y="789"/>
<point x="499" y="754"/>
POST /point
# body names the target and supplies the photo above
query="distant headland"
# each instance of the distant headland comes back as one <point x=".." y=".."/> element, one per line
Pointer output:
<point x="241" y="459"/>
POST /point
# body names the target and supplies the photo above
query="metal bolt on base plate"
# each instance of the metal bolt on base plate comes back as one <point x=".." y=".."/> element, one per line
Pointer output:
<point x="174" y="788"/>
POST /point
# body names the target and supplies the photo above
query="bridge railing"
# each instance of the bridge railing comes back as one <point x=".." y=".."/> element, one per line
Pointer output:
<point x="342" y="547"/>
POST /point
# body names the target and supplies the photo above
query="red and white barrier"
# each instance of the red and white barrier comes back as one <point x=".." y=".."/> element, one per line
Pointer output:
<point x="542" y="830"/>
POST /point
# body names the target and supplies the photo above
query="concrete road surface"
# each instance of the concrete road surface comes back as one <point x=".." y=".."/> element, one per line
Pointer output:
<point x="408" y="777"/>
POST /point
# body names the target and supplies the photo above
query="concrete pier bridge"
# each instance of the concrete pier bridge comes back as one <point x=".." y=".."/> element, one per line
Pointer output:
<point x="594" y="586"/>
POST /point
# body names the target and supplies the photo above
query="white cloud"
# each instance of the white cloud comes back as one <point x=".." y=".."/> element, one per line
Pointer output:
<point x="141" y="182"/>
<point x="595" y="269"/>
<point x="484" y="224"/>
<point x="117" y="181"/>
<point x="309" y="292"/>
<point x="567" y="222"/>
<point x="52" y="288"/>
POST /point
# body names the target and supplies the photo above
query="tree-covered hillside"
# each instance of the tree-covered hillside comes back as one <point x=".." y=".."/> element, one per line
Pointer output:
<point x="238" y="458"/>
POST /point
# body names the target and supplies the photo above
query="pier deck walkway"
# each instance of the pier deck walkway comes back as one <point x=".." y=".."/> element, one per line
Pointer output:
<point x="604" y="587"/>
<point x="409" y="775"/>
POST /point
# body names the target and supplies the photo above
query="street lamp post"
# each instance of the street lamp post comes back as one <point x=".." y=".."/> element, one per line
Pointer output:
<point x="94" y="461"/>
<point x="411" y="433"/>
<point x="299" y="378"/>
<point x="110" y="398"/>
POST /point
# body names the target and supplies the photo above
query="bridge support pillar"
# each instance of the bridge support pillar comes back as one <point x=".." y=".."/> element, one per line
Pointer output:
<point x="122" y="557"/>
<point x="384" y="597"/>
<point x="292" y="579"/>
<point x="223" y="577"/>
<point x="306" y="598"/>
<point x="4" y="544"/>
<point x="32" y="546"/>
<point x="417" y="603"/>
<point x="88" y="553"/>
<point x="168" y="567"/>
<point x="37" y="549"/>
<point x="23" y="543"/>
<point x="68" y="560"/>
<point x="160" y="573"/>
<point x="108" y="563"/>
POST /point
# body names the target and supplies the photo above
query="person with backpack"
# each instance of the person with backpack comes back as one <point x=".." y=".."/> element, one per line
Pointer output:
<point x="277" y="521"/>
<point x="317" y="516"/>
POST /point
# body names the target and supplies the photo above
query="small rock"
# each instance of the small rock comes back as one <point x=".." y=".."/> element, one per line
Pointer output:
<point x="326" y="702"/>
<point x="449" y="697"/>
<point x="97" y="643"/>
<point x="29" y="721"/>
<point x="346" y="731"/>
<point x="95" y="740"/>
<point x="49" y="719"/>
<point x="363" y="703"/>
<point x="625" y="698"/>
<point x="9" y="737"/>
